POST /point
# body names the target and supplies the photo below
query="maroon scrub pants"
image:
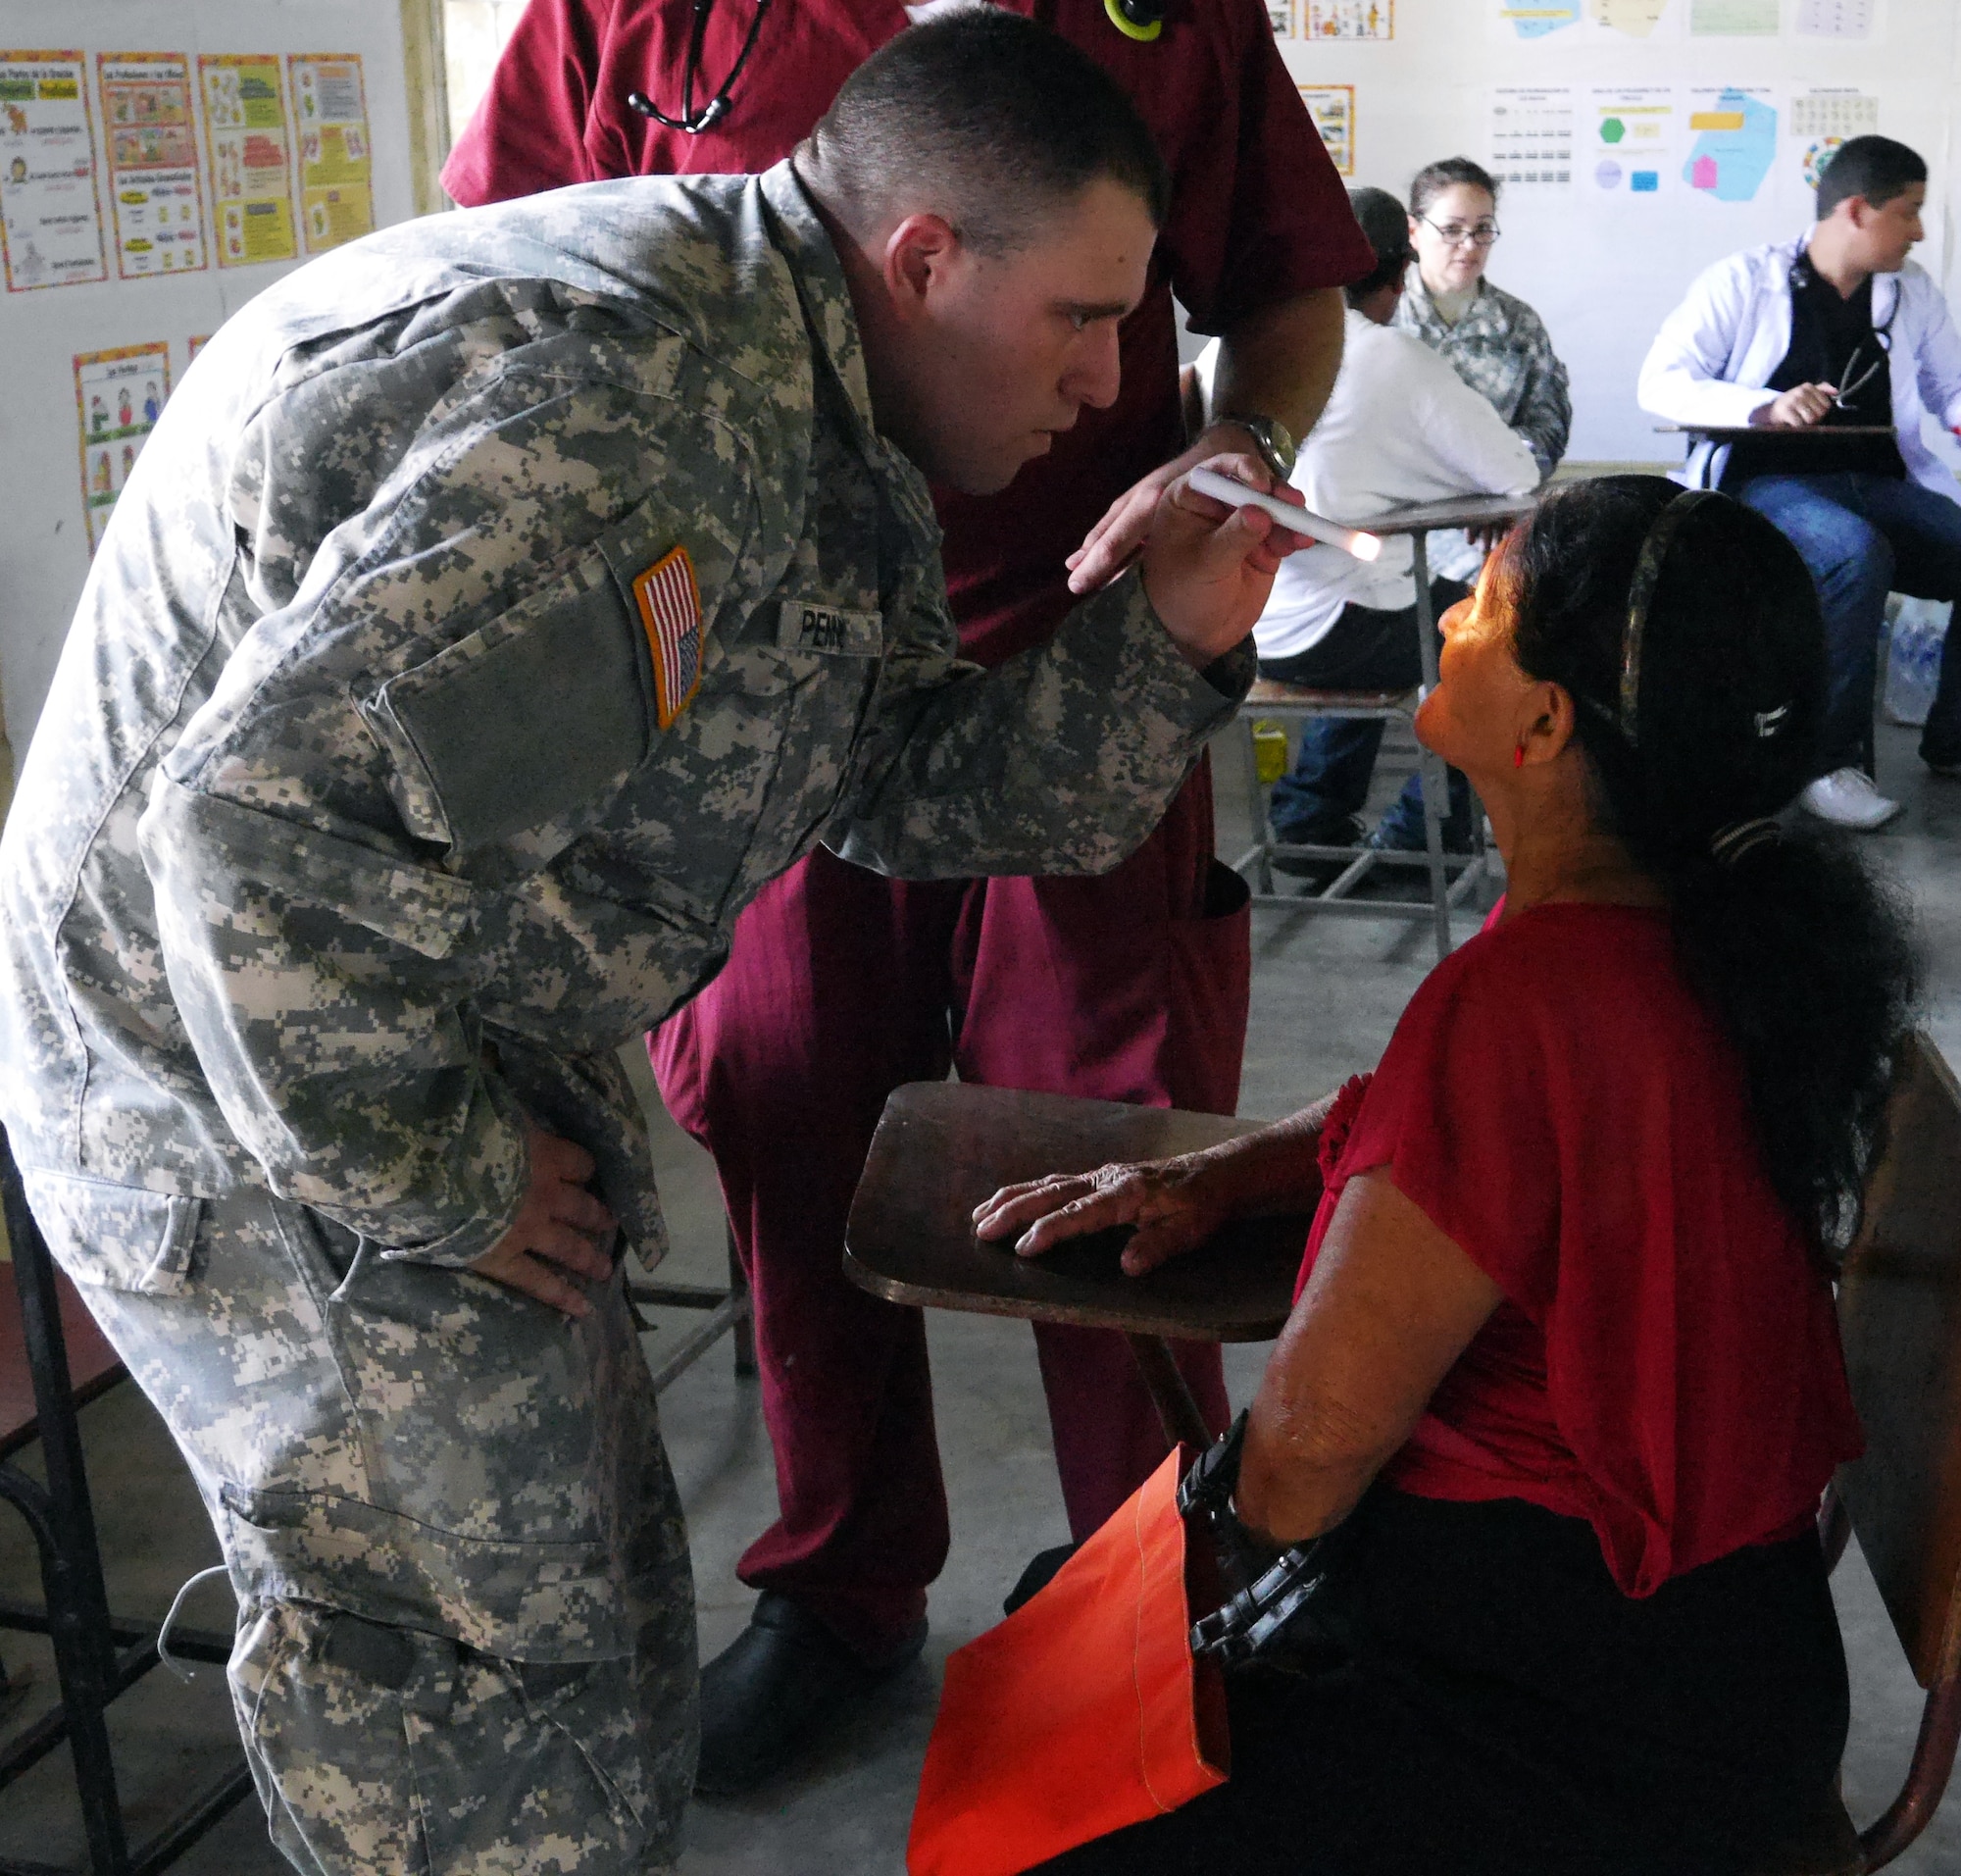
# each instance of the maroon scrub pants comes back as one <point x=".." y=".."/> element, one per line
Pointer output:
<point x="839" y="987"/>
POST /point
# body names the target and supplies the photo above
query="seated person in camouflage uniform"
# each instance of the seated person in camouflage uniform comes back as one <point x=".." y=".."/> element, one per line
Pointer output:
<point x="502" y="600"/>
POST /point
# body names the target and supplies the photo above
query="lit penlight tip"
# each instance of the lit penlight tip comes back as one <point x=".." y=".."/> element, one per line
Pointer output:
<point x="1365" y="546"/>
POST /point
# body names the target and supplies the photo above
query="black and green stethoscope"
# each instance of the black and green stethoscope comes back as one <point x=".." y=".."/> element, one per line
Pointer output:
<point x="1139" y="19"/>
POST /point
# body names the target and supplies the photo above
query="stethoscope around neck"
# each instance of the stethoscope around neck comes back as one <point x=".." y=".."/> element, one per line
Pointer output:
<point x="1882" y="338"/>
<point x="1140" y="20"/>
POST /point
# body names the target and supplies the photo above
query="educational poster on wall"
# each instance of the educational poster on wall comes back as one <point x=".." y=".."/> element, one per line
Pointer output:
<point x="1633" y="19"/>
<point x="1532" y="136"/>
<point x="1838" y="19"/>
<point x="1537" y="18"/>
<point x="1733" y="19"/>
<point x="1332" y="109"/>
<point x="336" y="172"/>
<point x="198" y="342"/>
<point x="246" y="131"/>
<point x="1350" y="20"/>
<point x="153" y="184"/>
<point x="50" y="212"/>
<point x="1822" y="119"/>
<point x="1735" y="132"/>
<point x="1630" y="140"/>
<point x="117" y="397"/>
<point x="1279" y="15"/>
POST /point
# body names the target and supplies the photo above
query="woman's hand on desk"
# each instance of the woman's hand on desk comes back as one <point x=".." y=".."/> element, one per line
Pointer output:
<point x="1175" y="1205"/>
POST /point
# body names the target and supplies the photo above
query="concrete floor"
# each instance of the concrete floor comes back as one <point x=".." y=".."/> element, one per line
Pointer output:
<point x="1326" y="996"/>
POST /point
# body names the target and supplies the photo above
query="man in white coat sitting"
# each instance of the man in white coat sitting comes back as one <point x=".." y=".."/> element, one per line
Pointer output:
<point x="1836" y="329"/>
<point x="1399" y="426"/>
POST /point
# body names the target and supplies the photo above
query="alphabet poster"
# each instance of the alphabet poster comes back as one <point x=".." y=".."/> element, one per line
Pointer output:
<point x="50" y="214"/>
<point x="117" y="397"/>
<point x="336" y="173"/>
<point x="245" y="127"/>
<point x="153" y="192"/>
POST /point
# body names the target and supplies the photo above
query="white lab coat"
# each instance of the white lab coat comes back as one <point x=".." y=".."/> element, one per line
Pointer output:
<point x="1715" y="353"/>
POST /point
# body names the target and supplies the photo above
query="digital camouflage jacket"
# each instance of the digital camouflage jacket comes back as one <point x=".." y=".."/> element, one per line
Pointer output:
<point x="399" y="769"/>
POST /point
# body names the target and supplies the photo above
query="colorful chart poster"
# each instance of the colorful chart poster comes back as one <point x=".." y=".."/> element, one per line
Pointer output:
<point x="1735" y="130"/>
<point x="337" y="171"/>
<point x="245" y="127"/>
<point x="1350" y="20"/>
<point x="1532" y="136"/>
<point x="153" y="188"/>
<point x="1332" y="109"/>
<point x="1733" y="19"/>
<point x="117" y="399"/>
<point x="50" y="214"/>
<point x="1534" y="18"/>
<point x="1631" y="134"/>
<point x="1822" y="119"/>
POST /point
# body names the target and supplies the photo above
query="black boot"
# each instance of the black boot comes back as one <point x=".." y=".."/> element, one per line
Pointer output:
<point x="777" y="1683"/>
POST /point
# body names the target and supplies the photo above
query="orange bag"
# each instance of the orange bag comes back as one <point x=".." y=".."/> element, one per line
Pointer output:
<point x="1083" y="1711"/>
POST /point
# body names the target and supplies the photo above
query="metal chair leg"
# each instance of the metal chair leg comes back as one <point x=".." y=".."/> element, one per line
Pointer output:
<point x="1259" y="826"/>
<point x="1179" y="1411"/>
<point x="79" y="1623"/>
<point x="1435" y="779"/>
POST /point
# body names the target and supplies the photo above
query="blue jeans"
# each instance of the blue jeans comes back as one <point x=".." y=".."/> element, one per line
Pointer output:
<point x="1863" y="536"/>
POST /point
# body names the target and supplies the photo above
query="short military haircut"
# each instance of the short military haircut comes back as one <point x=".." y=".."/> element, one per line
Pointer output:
<point x="982" y="118"/>
<point x="1874" y="167"/>
<point x="1386" y="223"/>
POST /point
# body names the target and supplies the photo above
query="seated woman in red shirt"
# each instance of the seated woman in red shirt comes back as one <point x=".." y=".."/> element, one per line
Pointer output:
<point x="1563" y="1377"/>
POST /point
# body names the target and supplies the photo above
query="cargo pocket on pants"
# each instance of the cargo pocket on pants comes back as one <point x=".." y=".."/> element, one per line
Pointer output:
<point x="114" y="1237"/>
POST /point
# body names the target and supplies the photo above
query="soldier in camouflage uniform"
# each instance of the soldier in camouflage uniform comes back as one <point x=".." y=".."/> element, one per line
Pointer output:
<point x="399" y="769"/>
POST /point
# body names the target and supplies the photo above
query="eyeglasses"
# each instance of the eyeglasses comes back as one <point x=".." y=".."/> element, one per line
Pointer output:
<point x="1456" y="234"/>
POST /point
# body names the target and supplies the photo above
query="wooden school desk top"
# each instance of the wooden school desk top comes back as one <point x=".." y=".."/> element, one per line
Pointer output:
<point x="943" y="1146"/>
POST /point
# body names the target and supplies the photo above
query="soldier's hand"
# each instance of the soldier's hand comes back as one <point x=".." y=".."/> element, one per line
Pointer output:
<point x="1208" y="568"/>
<point x="552" y="1239"/>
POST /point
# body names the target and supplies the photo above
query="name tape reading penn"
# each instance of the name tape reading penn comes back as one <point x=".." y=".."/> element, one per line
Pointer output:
<point x="802" y="626"/>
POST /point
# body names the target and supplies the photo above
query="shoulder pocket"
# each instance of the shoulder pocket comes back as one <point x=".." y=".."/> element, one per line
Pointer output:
<point x="119" y="1237"/>
<point x="541" y="710"/>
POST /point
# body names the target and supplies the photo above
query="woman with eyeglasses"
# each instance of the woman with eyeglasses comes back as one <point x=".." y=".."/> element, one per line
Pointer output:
<point x="1497" y="344"/>
<point x="1562" y="1383"/>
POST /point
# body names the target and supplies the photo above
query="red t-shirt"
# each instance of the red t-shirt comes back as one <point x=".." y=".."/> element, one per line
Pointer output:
<point x="1665" y="1362"/>
<point x="1258" y="212"/>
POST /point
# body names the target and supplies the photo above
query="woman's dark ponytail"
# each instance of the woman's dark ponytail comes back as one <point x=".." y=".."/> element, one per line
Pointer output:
<point x="1790" y="936"/>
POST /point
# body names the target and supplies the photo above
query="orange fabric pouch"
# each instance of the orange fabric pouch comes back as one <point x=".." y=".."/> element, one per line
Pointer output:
<point x="1085" y="1710"/>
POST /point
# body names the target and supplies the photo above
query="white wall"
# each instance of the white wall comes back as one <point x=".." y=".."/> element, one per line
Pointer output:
<point x="43" y="536"/>
<point x="1603" y="270"/>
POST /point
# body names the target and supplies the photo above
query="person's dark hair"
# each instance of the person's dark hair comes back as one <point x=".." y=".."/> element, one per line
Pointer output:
<point x="1806" y="958"/>
<point x="1874" y="167"/>
<point x="1434" y="178"/>
<point x="1384" y="220"/>
<point x="992" y="119"/>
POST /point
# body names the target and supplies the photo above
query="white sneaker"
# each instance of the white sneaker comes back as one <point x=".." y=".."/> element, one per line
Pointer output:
<point x="1847" y="799"/>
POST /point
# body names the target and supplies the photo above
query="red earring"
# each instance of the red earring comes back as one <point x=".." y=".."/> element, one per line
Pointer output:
<point x="1518" y="756"/>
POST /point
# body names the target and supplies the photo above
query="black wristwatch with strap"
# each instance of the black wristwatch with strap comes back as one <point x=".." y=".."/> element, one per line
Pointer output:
<point x="1277" y="446"/>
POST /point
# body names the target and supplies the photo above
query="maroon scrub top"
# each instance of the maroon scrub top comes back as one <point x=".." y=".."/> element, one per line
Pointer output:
<point x="1258" y="212"/>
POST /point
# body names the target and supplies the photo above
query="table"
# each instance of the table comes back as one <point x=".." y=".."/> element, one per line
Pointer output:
<point x="942" y="1147"/>
<point x="1721" y="435"/>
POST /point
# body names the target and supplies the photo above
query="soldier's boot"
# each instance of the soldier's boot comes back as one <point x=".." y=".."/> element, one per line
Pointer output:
<point x="392" y="1752"/>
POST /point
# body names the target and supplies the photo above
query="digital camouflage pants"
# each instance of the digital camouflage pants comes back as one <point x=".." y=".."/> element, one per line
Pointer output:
<point x="466" y="1639"/>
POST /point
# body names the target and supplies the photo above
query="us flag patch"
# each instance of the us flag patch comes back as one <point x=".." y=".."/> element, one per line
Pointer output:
<point x="669" y="605"/>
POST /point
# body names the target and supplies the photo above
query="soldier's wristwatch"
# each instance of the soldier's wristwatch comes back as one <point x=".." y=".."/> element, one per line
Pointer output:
<point x="1276" y="442"/>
